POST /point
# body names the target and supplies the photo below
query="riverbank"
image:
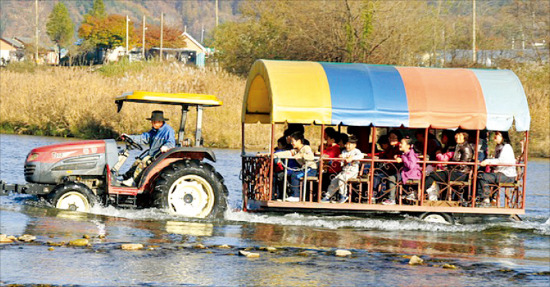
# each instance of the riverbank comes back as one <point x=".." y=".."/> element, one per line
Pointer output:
<point x="79" y="102"/>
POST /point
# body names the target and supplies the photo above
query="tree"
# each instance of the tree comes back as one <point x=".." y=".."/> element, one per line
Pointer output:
<point x="98" y="10"/>
<point x="171" y="37"/>
<point x="59" y="27"/>
<point x="106" y="32"/>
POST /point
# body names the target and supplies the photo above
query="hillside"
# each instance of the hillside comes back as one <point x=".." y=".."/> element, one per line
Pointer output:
<point x="17" y="16"/>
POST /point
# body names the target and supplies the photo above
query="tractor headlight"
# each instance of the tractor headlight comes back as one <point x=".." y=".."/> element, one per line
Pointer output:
<point x="33" y="156"/>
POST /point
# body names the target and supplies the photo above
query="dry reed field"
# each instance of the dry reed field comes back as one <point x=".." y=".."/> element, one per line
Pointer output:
<point x="79" y="102"/>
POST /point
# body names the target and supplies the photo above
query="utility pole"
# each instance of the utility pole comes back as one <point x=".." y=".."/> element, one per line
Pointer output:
<point x="474" y="56"/>
<point x="143" y="40"/>
<point x="202" y="34"/>
<point x="216" y="13"/>
<point x="36" y="32"/>
<point x="161" y="32"/>
<point x="127" y="20"/>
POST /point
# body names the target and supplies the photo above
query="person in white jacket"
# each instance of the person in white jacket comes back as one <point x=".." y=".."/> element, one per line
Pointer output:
<point x="504" y="154"/>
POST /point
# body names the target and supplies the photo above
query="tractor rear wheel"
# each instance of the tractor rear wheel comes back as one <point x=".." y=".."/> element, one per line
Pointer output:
<point x="190" y="188"/>
<point x="72" y="196"/>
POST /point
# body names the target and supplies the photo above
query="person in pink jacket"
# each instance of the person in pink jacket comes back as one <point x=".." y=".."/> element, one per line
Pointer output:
<point x="410" y="170"/>
<point x="448" y="151"/>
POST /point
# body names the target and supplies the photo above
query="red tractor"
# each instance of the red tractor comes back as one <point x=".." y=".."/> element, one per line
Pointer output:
<point x="77" y="175"/>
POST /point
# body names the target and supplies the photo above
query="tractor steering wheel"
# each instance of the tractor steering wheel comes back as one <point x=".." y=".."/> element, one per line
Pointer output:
<point x="131" y="143"/>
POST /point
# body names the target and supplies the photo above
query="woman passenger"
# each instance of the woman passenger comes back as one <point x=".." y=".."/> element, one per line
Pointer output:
<point x="463" y="153"/>
<point x="504" y="154"/>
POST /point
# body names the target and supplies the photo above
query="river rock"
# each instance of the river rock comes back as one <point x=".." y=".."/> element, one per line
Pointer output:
<point x="449" y="266"/>
<point x="26" y="238"/>
<point x="415" y="260"/>
<point x="249" y="254"/>
<point x="342" y="253"/>
<point x="79" y="242"/>
<point x="4" y="239"/>
<point x="199" y="246"/>
<point x="225" y="246"/>
<point x="51" y="249"/>
<point x="86" y="236"/>
<point x="131" y="246"/>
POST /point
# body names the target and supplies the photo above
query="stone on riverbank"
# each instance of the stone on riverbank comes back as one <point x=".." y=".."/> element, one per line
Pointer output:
<point x="449" y="266"/>
<point x="26" y="238"/>
<point x="415" y="260"/>
<point x="249" y="254"/>
<point x="4" y="239"/>
<point x="79" y="242"/>
<point x="342" y="253"/>
<point x="131" y="246"/>
<point x="225" y="246"/>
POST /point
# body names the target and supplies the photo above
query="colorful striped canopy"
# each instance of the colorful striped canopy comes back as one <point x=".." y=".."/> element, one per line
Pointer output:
<point x="384" y="96"/>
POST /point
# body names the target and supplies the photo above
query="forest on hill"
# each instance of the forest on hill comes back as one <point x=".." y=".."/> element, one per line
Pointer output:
<point x="16" y="15"/>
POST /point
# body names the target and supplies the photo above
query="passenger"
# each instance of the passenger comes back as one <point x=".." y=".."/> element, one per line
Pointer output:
<point x="482" y="148"/>
<point x="362" y="133"/>
<point x="279" y="170"/>
<point x="332" y="150"/>
<point x="504" y="154"/>
<point x="411" y="170"/>
<point x="447" y="150"/>
<point x="292" y="128"/>
<point x="343" y="140"/>
<point x="351" y="157"/>
<point x="384" y="143"/>
<point x="463" y="153"/>
<point x="387" y="169"/>
<point x="328" y="130"/>
<point x="303" y="154"/>
<point x="160" y="137"/>
<point x="433" y="144"/>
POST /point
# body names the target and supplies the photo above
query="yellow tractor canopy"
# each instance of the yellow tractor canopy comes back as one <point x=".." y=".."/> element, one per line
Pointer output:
<point x="168" y="99"/>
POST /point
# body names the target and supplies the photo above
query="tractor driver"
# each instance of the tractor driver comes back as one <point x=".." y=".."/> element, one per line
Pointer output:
<point x="161" y="138"/>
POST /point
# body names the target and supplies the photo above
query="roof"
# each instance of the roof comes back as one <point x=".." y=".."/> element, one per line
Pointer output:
<point x="194" y="41"/>
<point x="14" y="43"/>
<point x="388" y="96"/>
<point x="168" y="98"/>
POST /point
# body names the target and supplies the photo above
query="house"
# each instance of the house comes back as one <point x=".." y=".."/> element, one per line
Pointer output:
<point x="8" y="50"/>
<point x="195" y="50"/>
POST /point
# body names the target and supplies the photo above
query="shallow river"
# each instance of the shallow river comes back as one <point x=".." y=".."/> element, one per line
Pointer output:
<point x="482" y="254"/>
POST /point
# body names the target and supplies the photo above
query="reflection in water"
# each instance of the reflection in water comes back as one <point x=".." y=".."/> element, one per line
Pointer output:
<point x="189" y="228"/>
<point x="503" y="244"/>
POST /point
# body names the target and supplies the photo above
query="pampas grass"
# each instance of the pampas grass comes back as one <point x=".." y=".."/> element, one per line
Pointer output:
<point x="79" y="102"/>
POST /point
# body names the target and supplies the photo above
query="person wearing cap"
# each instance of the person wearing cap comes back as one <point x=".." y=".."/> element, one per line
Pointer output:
<point x="160" y="138"/>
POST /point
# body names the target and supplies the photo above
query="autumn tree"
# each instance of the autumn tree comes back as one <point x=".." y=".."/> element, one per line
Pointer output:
<point x="59" y="27"/>
<point x="106" y="32"/>
<point x="171" y="37"/>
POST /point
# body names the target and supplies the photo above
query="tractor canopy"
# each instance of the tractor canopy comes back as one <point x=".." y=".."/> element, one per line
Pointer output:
<point x="182" y="99"/>
<point x="379" y="95"/>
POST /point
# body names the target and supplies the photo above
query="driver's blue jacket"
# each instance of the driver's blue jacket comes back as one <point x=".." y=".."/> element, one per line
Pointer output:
<point x="164" y="136"/>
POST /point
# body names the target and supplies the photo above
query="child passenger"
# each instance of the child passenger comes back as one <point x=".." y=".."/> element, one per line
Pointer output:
<point x="411" y="169"/>
<point x="303" y="154"/>
<point x="350" y="170"/>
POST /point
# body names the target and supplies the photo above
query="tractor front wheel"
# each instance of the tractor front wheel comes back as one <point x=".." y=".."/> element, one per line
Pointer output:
<point x="192" y="189"/>
<point x="72" y="196"/>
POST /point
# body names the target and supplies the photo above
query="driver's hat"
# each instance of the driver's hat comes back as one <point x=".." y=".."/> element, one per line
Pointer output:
<point x="157" y="116"/>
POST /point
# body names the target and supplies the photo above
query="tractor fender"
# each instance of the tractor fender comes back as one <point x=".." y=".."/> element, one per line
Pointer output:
<point x="173" y="155"/>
